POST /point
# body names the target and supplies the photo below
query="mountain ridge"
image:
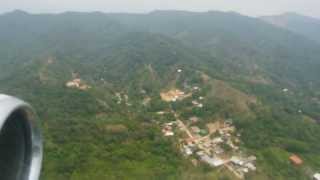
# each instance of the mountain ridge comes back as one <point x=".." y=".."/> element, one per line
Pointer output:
<point x="300" y="24"/>
<point x="221" y="66"/>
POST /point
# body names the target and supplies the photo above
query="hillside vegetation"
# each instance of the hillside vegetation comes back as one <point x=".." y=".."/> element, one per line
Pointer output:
<point x="264" y="78"/>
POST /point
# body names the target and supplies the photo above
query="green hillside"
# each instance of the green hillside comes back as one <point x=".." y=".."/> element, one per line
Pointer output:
<point x="304" y="25"/>
<point x="262" y="77"/>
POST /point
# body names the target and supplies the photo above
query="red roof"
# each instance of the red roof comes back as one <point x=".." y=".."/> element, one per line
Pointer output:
<point x="296" y="160"/>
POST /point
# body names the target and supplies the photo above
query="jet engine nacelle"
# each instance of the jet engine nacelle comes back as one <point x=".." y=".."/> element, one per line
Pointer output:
<point x="20" y="141"/>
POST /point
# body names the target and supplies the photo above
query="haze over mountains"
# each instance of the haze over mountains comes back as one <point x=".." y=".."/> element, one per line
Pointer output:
<point x="263" y="73"/>
<point x="307" y="26"/>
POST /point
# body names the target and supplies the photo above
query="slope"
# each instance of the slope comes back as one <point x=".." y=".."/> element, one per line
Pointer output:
<point x="304" y="25"/>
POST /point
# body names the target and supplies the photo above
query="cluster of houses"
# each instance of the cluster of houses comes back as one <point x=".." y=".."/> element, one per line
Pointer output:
<point x="197" y="104"/>
<point x="173" y="95"/>
<point x="77" y="83"/>
<point x="121" y="97"/>
<point x="216" y="144"/>
<point x="207" y="146"/>
<point x="242" y="165"/>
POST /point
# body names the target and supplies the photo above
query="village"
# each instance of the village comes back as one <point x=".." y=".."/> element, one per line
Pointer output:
<point x="216" y="145"/>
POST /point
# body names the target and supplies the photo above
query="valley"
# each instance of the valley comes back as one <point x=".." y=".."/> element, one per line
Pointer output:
<point x="166" y="95"/>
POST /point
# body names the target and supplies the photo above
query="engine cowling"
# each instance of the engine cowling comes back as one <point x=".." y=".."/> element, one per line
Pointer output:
<point x="20" y="140"/>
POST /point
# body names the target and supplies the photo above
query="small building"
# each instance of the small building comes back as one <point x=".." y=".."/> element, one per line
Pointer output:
<point x="189" y="141"/>
<point x="207" y="144"/>
<point x="195" y="103"/>
<point x="187" y="150"/>
<point x="161" y="112"/>
<point x="296" y="160"/>
<point x="228" y="122"/>
<point x="215" y="162"/>
<point x="250" y="166"/>
<point x="196" y="88"/>
<point x="194" y="119"/>
<point x="72" y="84"/>
<point x="77" y="83"/>
<point x="316" y="176"/>
<point x="217" y="140"/>
<point x="236" y="160"/>
<point x="252" y="158"/>
<point x="218" y="150"/>
<point x="195" y="129"/>
<point x="169" y="123"/>
<point x="200" y="153"/>
<point x="245" y="170"/>
<point x="168" y="133"/>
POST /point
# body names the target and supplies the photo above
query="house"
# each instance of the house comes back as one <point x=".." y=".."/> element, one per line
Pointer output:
<point x="215" y="162"/>
<point x="200" y="153"/>
<point x="228" y="122"/>
<point x="296" y="160"/>
<point x="196" y="88"/>
<point x="195" y="129"/>
<point x="169" y="123"/>
<point x="77" y="83"/>
<point x="236" y="160"/>
<point x="218" y="150"/>
<point x="187" y="150"/>
<point x="207" y="144"/>
<point x="194" y="119"/>
<point x="168" y="133"/>
<point x="189" y="141"/>
<point x="252" y="158"/>
<point x="200" y="105"/>
<point x="72" y="84"/>
<point x="196" y="103"/>
<point x="245" y="170"/>
<point x="161" y="113"/>
<point x="217" y="140"/>
<point x="316" y="176"/>
<point x="250" y="166"/>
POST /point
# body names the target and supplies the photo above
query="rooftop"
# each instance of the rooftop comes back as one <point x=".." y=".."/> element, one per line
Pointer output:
<point x="316" y="176"/>
<point x="296" y="160"/>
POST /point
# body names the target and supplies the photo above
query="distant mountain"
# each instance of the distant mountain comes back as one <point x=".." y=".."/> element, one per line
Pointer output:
<point x="263" y="77"/>
<point x="304" y="25"/>
<point x="242" y="44"/>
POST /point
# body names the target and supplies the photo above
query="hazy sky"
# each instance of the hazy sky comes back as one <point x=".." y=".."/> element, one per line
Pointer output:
<point x="248" y="7"/>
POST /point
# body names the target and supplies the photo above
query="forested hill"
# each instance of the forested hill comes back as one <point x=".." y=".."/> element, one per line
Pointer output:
<point x="264" y="77"/>
<point x="306" y="26"/>
<point x="246" y="45"/>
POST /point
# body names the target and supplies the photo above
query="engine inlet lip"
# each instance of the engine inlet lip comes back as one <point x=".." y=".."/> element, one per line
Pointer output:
<point x="8" y="106"/>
